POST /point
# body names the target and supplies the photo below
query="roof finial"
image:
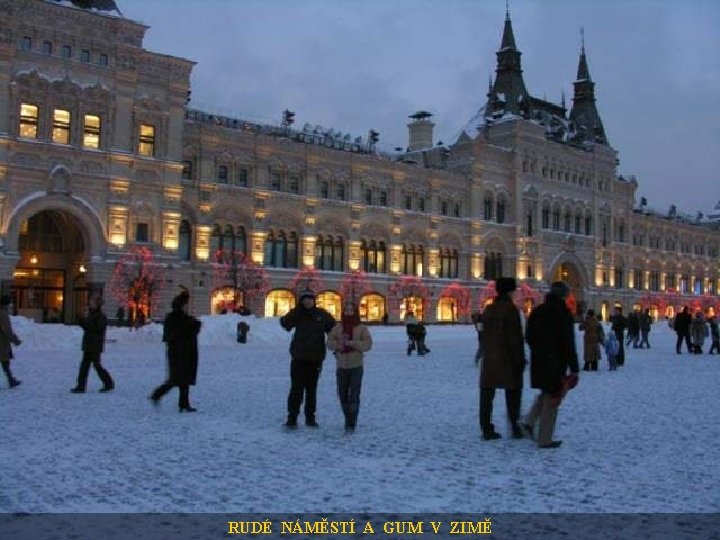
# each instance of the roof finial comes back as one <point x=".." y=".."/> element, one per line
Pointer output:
<point x="507" y="9"/>
<point x="582" y="39"/>
<point x="562" y="97"/>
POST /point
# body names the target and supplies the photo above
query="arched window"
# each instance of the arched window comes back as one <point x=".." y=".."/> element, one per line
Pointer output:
<point x="222" y="174"/>
<point x="488" y="208"/>
<point x="329" y="253"/>
<point x="500" y="213"/>
<point x="412" y="260"/>
<point x="215" y="240"/>
<point x="227" y="242"/>
<point x="368" y="196"/>
<point x="448" y="263"/>
<point x="493" y="265"/>
<point x="324" y="190"/>
<point x="240" y="240"/>
<point x="281" y="249"/>
<point x="185" y="242"/>
<point x="545" y="217"/>
<point x="372" y="257"/>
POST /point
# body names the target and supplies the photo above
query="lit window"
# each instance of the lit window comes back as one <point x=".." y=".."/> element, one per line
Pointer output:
<point x="61" y="126"/>
<point x="85" y="55"/>
<point x="47" y="48"/>
<point x="147" y="140"/>
<point x="28" y="121"/>
<point x="91" y="131"/>
<point x="66" y="51"/>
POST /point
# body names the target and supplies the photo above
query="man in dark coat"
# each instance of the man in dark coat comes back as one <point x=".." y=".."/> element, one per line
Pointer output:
<point x="94" y="324"/>
<point x="307" y="350"/>
<point x="633" y="336"/>
<point x="618" y="324"/>
<point x="682" y="329"/>
<point x="503" y="360"/>
<point x="551" y="336"/>
<point x="645" y="324"/>
<point x="7" y="340"/>
<point x="180" y="331"/>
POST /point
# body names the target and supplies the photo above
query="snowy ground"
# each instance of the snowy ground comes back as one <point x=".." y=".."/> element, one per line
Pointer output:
<point x="642" y="439"/>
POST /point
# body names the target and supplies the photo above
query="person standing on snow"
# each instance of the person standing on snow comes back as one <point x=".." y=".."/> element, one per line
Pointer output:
<point x="551" y="337"/>
<point x="7" y="340"/>
<point x="307" y="350"/>
<point x="94" y="324"/>
<point x="349" y="340"/>
<point x="180" y="331"/>
<point x="503" y="359"/>
<point x="682" y="329"/>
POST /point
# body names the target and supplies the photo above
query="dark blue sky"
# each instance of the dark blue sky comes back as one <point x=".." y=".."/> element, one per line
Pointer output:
<point x="354" y="65"/>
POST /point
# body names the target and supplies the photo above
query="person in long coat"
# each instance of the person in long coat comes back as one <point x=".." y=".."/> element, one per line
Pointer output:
<point x="698" y="332"/>
<point x="645" y="324"/>
<point x="94" y="325"/>
<point x="503" y="360"/>
<point x="349" y="340"/>
<point x="681" y="325"/>
<point x="7" y="340"/>
<point x="551" y="337"/>
<point x="180" y="331"/>
<point x="714" y="335"/>
<point x="594" y="335"/>
<point x="618" y="324"/>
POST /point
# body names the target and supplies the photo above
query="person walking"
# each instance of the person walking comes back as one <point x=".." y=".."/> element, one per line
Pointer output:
<point x="7" y="340"/>
<point x="682" y="329"/>
<point x="503" y="359"/>
<point x="349" y="340"/>
<point x="594" y="336"/>
<point x="94" y="324"/>
<point x="618" y="324"/>
<point x="645" y="324"/>
<point x="698" y="332"/>
<point x="477" y="319"/>
<point x="633" y="327"/>
<point x="612" y="346"/>
<point x="551" y="337"/>
<point x="714" y="335"/>
<point x="180" y="332"/>
<point x="307" y="351"/>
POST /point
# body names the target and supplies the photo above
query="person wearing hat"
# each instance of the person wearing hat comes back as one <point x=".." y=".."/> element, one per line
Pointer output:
<point x="94" y="325"/>
<point x="551" y="336"/>
<point x="307" y="352"/>
<point x="349" y="340"/>
<point x="7" y="339"/>
<point x="180" y="331"/>
<point x="503" y="360"/>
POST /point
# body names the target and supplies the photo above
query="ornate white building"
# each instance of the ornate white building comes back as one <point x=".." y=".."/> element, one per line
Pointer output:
<point x="99" y="154"/>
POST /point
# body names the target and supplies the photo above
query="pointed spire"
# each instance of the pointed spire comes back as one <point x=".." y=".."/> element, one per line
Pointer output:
<point x="490" y="85"/>
<point x="508" y="38"/>
<point x="562" y="98"/>
<point x="583" y="73"/>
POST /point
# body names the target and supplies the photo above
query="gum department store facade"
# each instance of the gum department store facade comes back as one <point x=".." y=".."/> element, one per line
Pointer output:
<point x="99" y="153"/>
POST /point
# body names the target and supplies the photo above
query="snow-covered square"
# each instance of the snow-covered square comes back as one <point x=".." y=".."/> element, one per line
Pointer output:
<point x="641" y="439"/>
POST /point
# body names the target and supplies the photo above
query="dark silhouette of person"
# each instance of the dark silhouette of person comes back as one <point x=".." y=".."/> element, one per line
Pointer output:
<point x="94" y="325"/>
<point x="180" y="331"/>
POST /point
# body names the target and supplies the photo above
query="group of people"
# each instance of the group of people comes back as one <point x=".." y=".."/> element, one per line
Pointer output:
<point x="694" y="330"/>
<point x="553" y="361"/>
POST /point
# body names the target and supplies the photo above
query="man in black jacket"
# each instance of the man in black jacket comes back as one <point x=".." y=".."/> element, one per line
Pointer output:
<point x="682" y="328"/>
<point x="307" y="350"/>
<point x="93" y="344"/>
<point x="551" y="336"/>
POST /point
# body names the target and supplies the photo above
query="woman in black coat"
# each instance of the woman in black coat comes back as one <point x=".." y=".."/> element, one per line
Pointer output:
<point x="180" y="332"/>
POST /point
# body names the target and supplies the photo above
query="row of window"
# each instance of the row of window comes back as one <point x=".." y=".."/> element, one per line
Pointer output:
<point x="672" y="282"/>
<point x="578" y="224"/>
<point x="66" y="51"/>
<point x="62" y="129"/>
<point x="550" y="172"/>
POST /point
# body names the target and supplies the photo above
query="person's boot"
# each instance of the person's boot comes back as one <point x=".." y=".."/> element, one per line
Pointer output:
<point x="517" y="432"/>
<point x="291" y="422"/>
<point x="78" y="390"/>
<point x="14" y="382"/>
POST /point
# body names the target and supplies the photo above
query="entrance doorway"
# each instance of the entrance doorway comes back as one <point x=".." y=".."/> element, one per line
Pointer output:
<point x="49" y="280"/>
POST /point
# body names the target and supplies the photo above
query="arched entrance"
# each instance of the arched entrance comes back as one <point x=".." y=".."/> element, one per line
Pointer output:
<point x="572" y="273"/>
<point x="49" y="281"/>
<point x="278" y="302"/>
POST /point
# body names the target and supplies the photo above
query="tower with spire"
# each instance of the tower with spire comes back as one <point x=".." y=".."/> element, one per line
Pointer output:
<point x="508" y="94"/>
<point x="584" y="115"/>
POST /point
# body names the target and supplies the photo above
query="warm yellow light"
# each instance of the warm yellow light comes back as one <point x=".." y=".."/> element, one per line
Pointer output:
<point x="202" y="253"/>
<point x="33" y="259"/>
<point x="117" y="239"/>
<point x="354" y="264"/>
<point x="82" y="268"/>
<point x="171" y="244"/>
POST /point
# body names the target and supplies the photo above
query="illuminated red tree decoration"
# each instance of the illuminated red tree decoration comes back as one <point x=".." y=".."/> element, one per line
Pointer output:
<point x="354" y="286"/>
<point x="307" y="278"/>
<point x="486" y="294"/>
<point x="527" y="295"/>
<point x="407" y="287"/>
<point x="235" y="270"/>
<point x="460" y="295"/>
<point x="137" y="280"/>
